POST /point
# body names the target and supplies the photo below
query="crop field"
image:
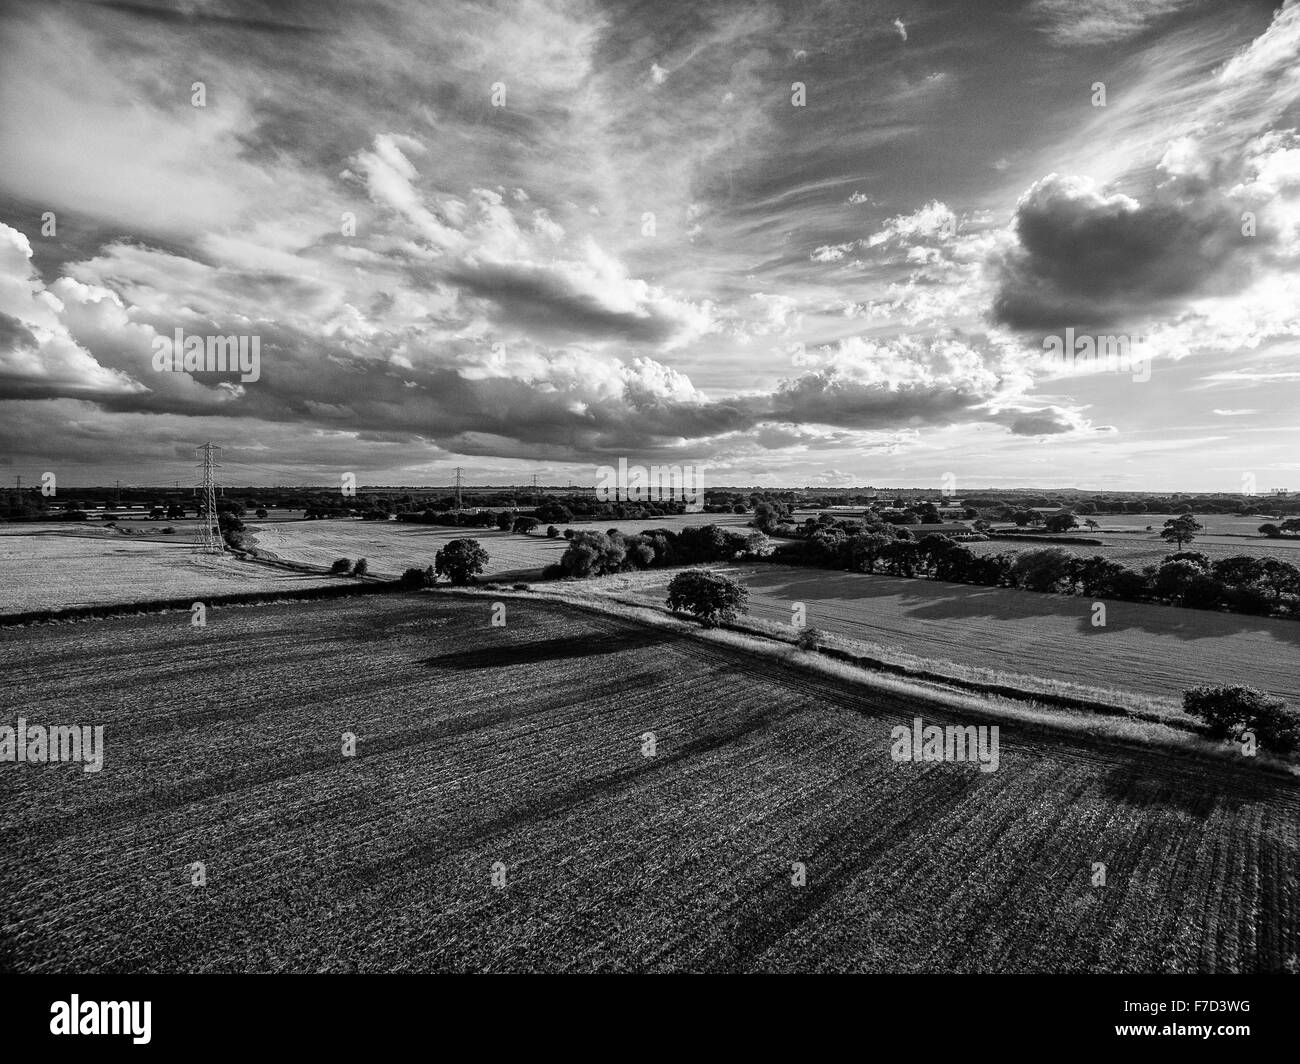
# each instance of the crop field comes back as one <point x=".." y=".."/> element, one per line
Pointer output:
<point x="1148" y="649"/>
<point x="519" y="752"/>
<point x="391" y="546"/>
<point x="1147" y="549"/>
<point x="1215" y="524"/>
<point x="57" y="571"/>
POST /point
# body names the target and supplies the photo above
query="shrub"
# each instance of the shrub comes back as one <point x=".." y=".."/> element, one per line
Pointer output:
<point x="416" y="577"/>
<point x="521" y="587"/>
<point x="1193" y="556"/>
<point x="810" y="638"/>
<point x="552" y="532"/>
<point x="341" y="566"/>
<point x="360" y="567"/>
<point x="169" y="531"/>
<point x="1232" y="710"/>
<point x="710" y="597"/>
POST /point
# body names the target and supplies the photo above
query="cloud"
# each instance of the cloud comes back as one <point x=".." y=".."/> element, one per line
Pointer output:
<point x="38" y="356"/>
<point x="901" y="28"/>
<point x="1091" y="258"/>
<point x="1095" y="22"/>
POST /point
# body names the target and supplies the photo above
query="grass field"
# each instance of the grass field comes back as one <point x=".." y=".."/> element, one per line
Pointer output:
<point x="391" y="546"/>
<point x="54" y="570"/>
<point x="521" y="748"/>
<point x="1148" y="649"/>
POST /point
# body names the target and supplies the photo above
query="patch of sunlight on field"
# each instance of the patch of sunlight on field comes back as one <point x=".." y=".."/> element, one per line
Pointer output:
<point x="40" y="572"/>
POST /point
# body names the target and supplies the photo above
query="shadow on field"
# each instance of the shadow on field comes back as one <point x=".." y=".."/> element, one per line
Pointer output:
<point x="1133" y="785"/>
<point x="580" y="646"/>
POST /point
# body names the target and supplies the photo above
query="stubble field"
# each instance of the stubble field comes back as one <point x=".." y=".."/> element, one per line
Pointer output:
<point x="57" y="570"/>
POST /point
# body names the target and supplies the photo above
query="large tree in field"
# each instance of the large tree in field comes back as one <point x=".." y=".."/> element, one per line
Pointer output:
<point x="709" y="596"/>
<point x="460" y="561"/>
<point x="1181" y="529"/>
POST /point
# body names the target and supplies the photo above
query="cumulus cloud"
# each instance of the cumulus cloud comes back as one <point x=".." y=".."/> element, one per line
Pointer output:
<point x="38" y="356"/>
<point x="1092" y="258"/>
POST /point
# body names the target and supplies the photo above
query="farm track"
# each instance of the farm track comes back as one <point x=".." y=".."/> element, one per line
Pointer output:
<point x="523" y="745"/>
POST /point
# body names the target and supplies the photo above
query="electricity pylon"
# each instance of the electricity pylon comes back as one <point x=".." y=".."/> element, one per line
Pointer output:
<point x="208" y="541"/>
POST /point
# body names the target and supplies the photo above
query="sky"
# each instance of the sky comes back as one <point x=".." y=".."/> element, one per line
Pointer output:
<point x="797" y="243"/>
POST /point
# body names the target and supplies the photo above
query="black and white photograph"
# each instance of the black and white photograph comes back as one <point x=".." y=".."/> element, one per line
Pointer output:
<point x="605" y="487"/>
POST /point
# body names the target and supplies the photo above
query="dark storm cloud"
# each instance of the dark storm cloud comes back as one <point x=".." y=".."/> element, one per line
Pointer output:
<point x="1085" y="258"/>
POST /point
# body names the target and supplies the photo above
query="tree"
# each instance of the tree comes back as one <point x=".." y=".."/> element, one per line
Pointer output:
<point x="766" y="517"/>
<point x="1173" y="579"/>
<point x="955" y="564"/>
<point x="1093" y="576"/>
<point x="1271" y="530"/>
<point x="360" y="567"/>
<point x="930" y="549"/>
<point x="900" y="558"/>
<point x="1061" y="523"/>
<point x="554" y="513"/>
<point x="261" y="511"/>
<point x="1092" y="525"/>
<point x="341" y="566"/>
<point x="505" y="519"/>
<point x="864" y="550"/>
<point x="709" y="596"/>
<point x="1043" y="570"/>
<point x="552" y="532"/>
<point x="525" y="525"/>
<point x="460" y="561"/>
<point x="593" y="554"/>
<point x="1181" y="530"/>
